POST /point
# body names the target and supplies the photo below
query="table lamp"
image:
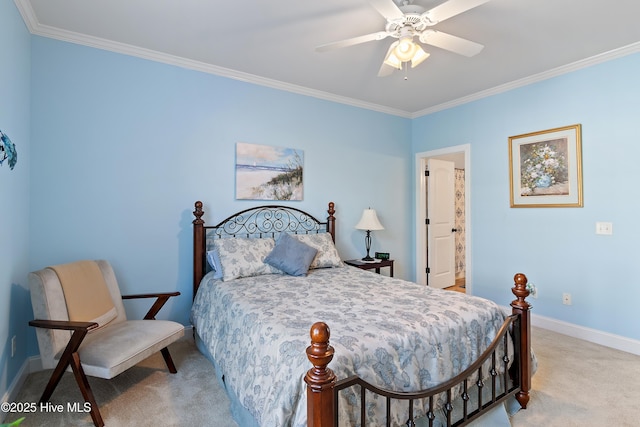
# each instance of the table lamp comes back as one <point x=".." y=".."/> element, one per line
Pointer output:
<point x="369" y="222"/>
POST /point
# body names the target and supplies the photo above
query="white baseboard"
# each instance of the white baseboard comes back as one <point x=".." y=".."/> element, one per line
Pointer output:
<point x="31" y="364"/>
<point x="588" y="334"/>
<point x="581" y="332"/>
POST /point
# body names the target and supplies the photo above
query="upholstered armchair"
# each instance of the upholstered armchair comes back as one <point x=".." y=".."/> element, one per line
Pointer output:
<point x="81" y="323"/>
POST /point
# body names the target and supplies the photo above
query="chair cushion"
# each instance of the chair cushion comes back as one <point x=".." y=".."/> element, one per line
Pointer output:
<point x="115" y="348"/>
<point x="85" y="292"/>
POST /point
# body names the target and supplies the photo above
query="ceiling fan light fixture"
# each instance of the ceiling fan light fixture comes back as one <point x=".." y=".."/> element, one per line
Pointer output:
<point x="405" y="22"/>
<point x="405" y="49"/>
<point x="395" y="60"/>
<point x="418" y="57"/>
<point x="392" y="60"/>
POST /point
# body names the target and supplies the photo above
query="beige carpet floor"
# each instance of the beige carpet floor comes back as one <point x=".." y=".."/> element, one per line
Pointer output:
<point x="577" y="384"/>
<point x="145" y="395"/>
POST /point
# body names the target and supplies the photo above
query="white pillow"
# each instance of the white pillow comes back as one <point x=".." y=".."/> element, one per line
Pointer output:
<point x="327" y="255"/>
<point x="240" y="257"/>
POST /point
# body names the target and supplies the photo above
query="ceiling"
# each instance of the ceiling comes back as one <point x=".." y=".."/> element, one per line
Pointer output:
<point x="273" y="43"/>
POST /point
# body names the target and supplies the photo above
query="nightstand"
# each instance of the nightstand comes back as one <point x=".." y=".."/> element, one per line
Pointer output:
<point x="372" y="265"/>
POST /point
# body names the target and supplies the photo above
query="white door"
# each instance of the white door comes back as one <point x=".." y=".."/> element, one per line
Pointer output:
<point x="440" y="224"/>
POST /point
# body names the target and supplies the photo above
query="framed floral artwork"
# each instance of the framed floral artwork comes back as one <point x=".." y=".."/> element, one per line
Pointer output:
<point x="545" y="168"/>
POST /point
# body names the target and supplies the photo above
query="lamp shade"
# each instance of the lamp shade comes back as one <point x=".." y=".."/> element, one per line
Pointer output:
<point x="405" y="50"/>
<point x="391" y="59"/>
<point x="419" y="56"/>
<point x="369" y="221"/>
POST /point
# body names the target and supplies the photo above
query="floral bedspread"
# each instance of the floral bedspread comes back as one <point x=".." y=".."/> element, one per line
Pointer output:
<point x="395" y="334"/>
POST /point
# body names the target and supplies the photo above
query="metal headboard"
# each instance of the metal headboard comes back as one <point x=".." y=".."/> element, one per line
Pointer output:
<point x="266" y="221"/>
<point x="256" y="222"/>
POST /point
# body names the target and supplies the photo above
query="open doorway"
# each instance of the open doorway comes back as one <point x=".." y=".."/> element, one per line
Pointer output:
<point x="460" y="156"/>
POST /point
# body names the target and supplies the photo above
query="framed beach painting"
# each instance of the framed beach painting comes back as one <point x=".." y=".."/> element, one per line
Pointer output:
<point x="545" y="168"/>
<point x="264" y="172"/>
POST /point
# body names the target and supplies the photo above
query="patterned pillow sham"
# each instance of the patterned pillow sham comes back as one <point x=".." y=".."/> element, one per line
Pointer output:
<point x="327" y="255"/>
<point x="240" y="257"/>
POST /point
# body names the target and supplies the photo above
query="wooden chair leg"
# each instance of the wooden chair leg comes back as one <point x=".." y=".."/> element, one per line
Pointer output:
<point x="168" y="360"/>
<point x="65" y="360"/>
<point x="70" y="357"/>
<point x="85" y="389"/>
<point x="55" y="378"/>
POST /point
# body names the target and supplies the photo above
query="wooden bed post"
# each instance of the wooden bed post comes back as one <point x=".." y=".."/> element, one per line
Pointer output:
<point x="331" y="221"/>
<point x="320" y="379"/>
<point x="198" y="246"/>
<point x="522" y="307"/>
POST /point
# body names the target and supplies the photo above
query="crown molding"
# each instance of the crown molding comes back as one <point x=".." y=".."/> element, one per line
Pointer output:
<point x="555" y="72"/>
<point x="28" y="15"/>
<point x="30" y="19"/>
<point x="34" y="27"/>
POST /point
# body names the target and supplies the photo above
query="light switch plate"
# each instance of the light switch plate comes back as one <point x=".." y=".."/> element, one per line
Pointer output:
<point x="604" y="228"/>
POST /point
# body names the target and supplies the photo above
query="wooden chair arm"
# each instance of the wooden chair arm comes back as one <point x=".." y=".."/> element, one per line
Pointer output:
<point x="63" y="324"/>
<point x="161" y="299"/>
<point x="70" y="357"/>
<point x="155" y="295"/>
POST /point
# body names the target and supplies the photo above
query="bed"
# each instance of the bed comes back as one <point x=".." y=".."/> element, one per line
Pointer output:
<point x="419" y="352"/>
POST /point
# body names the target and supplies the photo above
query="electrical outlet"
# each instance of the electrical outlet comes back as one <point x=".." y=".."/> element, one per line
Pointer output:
<point x="566" y="298"/>
<point x="13" y="346"/>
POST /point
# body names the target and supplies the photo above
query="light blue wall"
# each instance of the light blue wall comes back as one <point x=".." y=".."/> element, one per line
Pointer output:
<point x="15" y="305"/>
<point x="556" y="247"/>
<point x="116" y="150"/>
<point x="123" y="147"/>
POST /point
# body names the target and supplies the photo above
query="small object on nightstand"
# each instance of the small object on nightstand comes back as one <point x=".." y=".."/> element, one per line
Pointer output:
<point x="382" y="255"/>
<point x="377" y="264"/>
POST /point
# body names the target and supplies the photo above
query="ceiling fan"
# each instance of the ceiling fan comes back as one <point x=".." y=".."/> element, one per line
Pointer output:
<point x="410" y="20"/>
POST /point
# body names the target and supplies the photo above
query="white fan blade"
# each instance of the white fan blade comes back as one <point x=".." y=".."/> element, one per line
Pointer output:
<point x="350" y="42"/>
<point x="385" y="70"/>
<point x="452" y="43"/>
<point x="452" y="8"/>
<point x="388" y="9"/>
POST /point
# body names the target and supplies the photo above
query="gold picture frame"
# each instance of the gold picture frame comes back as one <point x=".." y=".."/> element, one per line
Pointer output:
<point x="545" y="168"/>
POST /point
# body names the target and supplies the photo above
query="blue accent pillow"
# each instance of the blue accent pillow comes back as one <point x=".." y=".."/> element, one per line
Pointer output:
<point x="291" y="256"/>
<point x="214" y="262"/>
